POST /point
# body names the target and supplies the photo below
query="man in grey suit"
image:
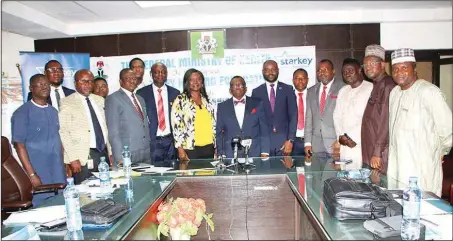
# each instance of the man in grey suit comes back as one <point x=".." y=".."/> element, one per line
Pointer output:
<point x="321" y="100"/>
<point x="127" y="122"/>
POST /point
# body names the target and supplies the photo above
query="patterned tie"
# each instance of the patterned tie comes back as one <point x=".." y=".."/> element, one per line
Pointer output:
<point x="160" y="111"/>
<point x="100" y="141"/>
<point x="272" y="98"/>
<point x="57" y="96"/>
<point x="323" y="99"/>
<point x="137" y="107"/>
<point x="239" y="101"/>
<point x="300" y="113"/>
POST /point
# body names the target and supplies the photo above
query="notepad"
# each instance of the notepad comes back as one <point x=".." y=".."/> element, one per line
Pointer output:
<point x="426" y="208"/>
<point x="38" y="215"/>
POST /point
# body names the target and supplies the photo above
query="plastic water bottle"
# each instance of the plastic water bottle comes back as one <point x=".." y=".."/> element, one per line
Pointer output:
<point x="104" y="174"/>
<point x="127" y="162"/>
<point x="129" y="190"/>
<point x="72" y="204"/>
<point x="410" y="224"/>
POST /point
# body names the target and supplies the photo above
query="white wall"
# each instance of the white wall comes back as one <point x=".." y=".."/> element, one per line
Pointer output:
<point x="417" y="35"/>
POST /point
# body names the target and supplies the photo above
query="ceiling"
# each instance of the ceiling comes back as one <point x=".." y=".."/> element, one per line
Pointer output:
<point x="54" y="19"/>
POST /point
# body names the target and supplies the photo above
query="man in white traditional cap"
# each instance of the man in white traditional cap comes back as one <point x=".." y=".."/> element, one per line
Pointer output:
<point x="375" y="125"/>
<point x="420" y="126"/>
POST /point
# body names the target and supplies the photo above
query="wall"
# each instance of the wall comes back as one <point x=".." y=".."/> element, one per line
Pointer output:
<point x="11" y="45"/>
<point x="417" y="35"/>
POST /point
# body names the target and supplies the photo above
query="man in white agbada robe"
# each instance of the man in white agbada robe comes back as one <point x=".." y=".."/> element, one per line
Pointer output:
<point x="348" y="113"/>
<point x="420" y="124"/>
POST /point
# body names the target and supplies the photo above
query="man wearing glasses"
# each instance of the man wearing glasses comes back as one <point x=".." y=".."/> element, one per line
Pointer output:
<point x="83" y="129"/>
<point x="54" y="73"/>
<point x="244" y="117"/>
<point x="375" y="122"/>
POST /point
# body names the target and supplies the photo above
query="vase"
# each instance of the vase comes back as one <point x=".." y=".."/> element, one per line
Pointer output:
<point x="176" y="234"/>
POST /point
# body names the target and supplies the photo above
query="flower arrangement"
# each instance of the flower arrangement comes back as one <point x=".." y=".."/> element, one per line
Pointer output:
<point x="182" y="217"/>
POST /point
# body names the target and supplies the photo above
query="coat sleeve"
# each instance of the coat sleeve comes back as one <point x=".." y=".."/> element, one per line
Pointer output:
<point x="264" y="130"/>
<point x="112" y="114"/>
<point x="65" y="117"/>
<point x="220" y="126"/>
<point x="176" y="122"/>
<point x="308" y="131"/>
<point x="338" y="113"/>
<point x="292" y="114"/>
<point x="382" y="129"/>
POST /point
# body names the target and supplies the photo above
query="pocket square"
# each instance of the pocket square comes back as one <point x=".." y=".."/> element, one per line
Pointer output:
<point x="253" y="111"/>
<point x="333" y="96"/>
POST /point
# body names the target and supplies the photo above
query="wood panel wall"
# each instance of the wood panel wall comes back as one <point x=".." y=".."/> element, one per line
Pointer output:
<point x="334" y="42"/>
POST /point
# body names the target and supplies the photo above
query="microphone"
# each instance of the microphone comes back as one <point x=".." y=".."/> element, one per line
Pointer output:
<point x="235" y="144"/>
<point x="246" y="143"/>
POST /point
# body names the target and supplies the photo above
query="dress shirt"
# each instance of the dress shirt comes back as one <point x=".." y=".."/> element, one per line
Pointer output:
<point x="300" y="133"/>
<point x="164" y="93"/>
<point x="53" y="98"/>
<point x="268" y="87"/>
<point x="90" y="121"/>
<point x="129" y="94"/>
<point x="327" y="90"/>
<point x="239" y="109"/>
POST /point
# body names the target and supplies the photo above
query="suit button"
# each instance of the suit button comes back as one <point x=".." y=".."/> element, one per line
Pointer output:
<point x="88" y="130"/>
<point x="143" y="137"/>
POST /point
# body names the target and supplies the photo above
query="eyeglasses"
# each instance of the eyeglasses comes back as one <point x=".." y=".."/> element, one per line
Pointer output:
<point x="85" y="81"/>
<point x="372" y="64"/>
<point x="55" y="70"/>
<point x="237" y="86"/>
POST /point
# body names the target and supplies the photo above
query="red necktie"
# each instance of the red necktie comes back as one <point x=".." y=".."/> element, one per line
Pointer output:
<point x="323" y="100"/>
<point x="300" y="113"/>
<point x="137" y="107"/>
<point x="160" y="111"/>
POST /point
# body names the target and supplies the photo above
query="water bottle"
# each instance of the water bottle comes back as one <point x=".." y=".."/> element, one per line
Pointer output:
<point x="410" y="224"/>
<point x="72" y="204"/>
<point x="104" y="175"/>
<point x="127" y="162"/>
<point x="129" y="190"/>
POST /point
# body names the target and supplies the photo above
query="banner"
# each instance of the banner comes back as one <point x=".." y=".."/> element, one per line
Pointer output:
<point x="207" y="44"/>
<point x="33" y="63"/>
<point x="247" y="63"/>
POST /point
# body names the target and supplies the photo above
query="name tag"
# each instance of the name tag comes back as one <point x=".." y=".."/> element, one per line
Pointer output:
<point x="90" y="164"/>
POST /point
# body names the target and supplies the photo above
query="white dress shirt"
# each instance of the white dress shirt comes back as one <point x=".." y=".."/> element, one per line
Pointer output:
<point x="164" y="93"/>
<point x="300" y="133"/>
<point x="239" y="109"/>
<point x="90" y="121"/>
<point x="53" y="98"/>
<point x="327" y="90"/>
<point x="129" y="94"/>
<point x="268" y="87"/>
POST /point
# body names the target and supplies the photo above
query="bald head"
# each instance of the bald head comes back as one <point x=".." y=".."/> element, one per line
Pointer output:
<point x="81" y="72"/>
<point x="159" y="74"/>
<point x="84" y="82"/>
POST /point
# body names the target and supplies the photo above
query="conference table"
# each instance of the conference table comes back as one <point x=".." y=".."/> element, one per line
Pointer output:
<point x="279" y="198"/>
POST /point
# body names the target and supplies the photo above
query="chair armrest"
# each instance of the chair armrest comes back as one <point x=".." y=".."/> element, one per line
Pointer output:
<point x="16" y="206"/>
<point x="46" y="188"/>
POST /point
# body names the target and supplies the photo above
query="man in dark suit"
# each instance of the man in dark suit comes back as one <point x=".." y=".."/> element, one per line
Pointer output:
<point x="127" y="121"/>
<point x="54" y="73"/>
<point x="280" y="107"/>
<point x="321" y="100"/>
<point x="244" y="117"/>
<point x="158" y="97"/>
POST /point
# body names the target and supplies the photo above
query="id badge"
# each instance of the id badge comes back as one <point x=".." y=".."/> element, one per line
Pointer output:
<point x="90" y="164"/>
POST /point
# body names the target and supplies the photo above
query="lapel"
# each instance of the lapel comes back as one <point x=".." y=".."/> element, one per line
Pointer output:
<point x="231" y="112"/>
<point x="318" y="85"/>
<point x="128" y="103"/>
<point x="279" y="97"/>
<point x="331" y="90"/>
<point x="248" y="110"/>
<point x="265" y="98"/>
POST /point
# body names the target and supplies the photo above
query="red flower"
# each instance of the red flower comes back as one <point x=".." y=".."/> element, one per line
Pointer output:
<point x="253" y="111"/>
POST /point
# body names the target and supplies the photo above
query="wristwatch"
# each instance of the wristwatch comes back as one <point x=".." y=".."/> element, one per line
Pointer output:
<point x="291" y="141"/>
<point x="33" y="174"/>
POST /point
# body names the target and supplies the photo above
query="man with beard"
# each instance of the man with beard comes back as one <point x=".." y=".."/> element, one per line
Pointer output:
<point x="321" y="100"/>
<point x="280" y="108"/>
<point x="348" y="113"/>
<point x="34" y="129"/>
<point x="158" y="97"/>
<point x="420" y="126"/>
<point x="375" y="123"/>
<point x="54" y="73"/>
<point x="300" y="81"/>
<point x="138" y="66"/>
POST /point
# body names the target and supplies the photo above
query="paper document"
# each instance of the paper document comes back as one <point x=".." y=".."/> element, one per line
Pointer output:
<point x="118" y="174"/>
<point x="426" y="208"/>
<point x="438" y="226"/>
<point x="157" y="169"/>
<point x="38" y="215"/>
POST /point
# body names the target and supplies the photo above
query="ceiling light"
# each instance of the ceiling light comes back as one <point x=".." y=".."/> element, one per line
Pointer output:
<point x="150" y="4"/>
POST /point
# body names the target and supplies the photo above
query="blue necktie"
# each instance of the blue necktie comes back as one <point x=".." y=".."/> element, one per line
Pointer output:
<point x="100" y="142"/>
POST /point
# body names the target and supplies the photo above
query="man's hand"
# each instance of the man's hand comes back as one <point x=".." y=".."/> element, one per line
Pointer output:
<point x="287" y="162"/>
<point x="68" y="170"/>
<point x="343" y="140"/>
<point x="375" y="176"/>
<point x="375" y="162"/>
<point x="35" y="180"/>
<point x="287" y="148"/>
<point x="336" y="150"/>
<point x="308" y="151"/>
<point x="182" y="155"/>
<point x="76" y="167"/>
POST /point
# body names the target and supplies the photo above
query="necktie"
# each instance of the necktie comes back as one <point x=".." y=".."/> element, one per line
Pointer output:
<point x="300" y="113"/>
<point x="100" y="141"/>
<point x="137" y="107"/>
<point x="239" y="101"/>
<point x="272" y="98"/>
<point x="160" y="111"/>
<point x="323" y="99"/>
<point x="57" y="96"/>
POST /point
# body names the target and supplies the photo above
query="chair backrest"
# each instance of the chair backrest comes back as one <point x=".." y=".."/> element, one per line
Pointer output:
<point x="16" y="185"/>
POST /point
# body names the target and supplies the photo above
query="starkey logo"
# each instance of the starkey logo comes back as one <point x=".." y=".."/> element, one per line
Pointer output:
<point x="69" y="72"/>
<point x="286" y="59"/>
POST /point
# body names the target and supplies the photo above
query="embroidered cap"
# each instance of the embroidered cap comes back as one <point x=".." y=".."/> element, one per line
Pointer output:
<point x="375" y="50"/>
<point x="403" y="55"/>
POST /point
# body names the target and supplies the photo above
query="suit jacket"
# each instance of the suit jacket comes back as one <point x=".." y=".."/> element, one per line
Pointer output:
<point x="254" y="126"/>
<point x="147" y="94"/>
<point x="125" y="126"/>
<point x="319" y="129"/>
<point x="283" y="122"/>
<point x="66" y="92"/>
<point x="75" y="127"/>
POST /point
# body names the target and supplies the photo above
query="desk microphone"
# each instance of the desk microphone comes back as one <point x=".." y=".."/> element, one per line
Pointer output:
<point x="235" y="144"/>
<point x="246" y="143"/>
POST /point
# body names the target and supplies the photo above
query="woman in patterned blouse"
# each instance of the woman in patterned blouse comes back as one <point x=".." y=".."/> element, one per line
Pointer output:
<point x="193" y="119"/>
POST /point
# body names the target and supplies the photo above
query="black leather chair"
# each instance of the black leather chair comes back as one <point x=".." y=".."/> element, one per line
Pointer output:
<point x="17" y="189"/>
